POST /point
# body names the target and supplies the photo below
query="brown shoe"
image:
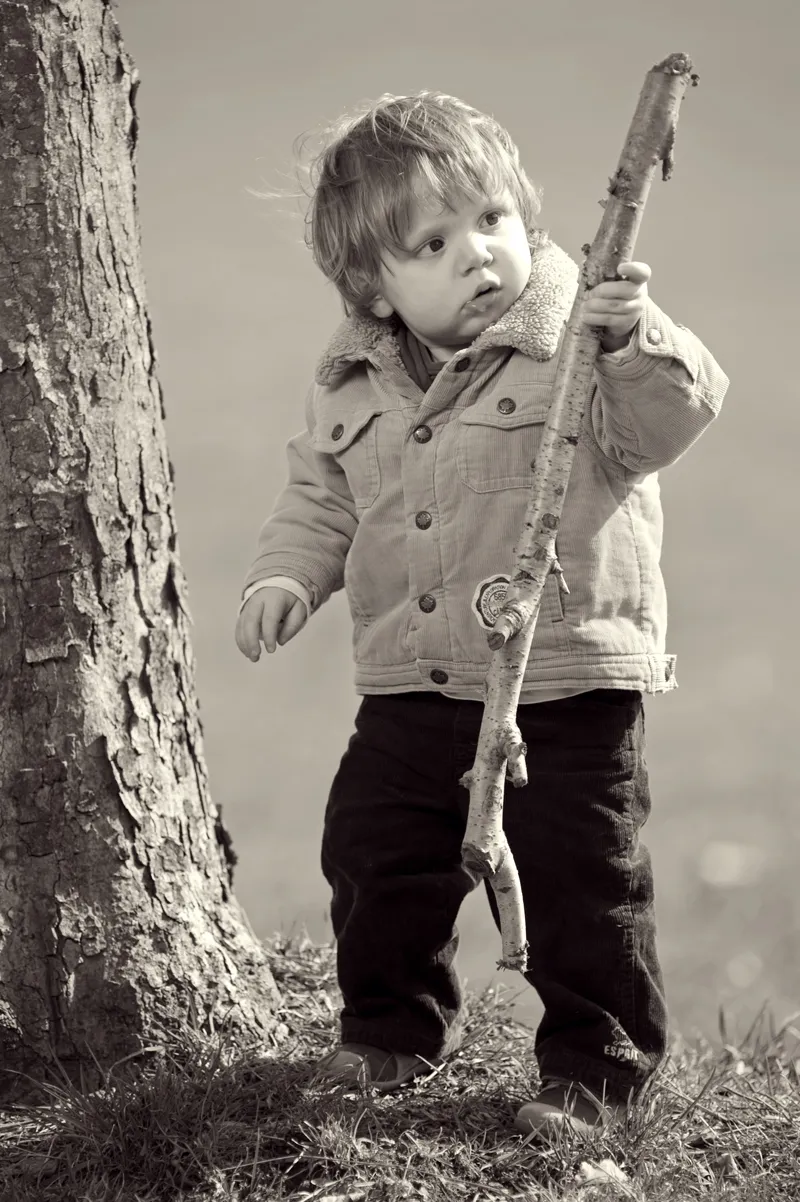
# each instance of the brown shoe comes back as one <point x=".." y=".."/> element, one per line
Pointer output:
<point x="363" y="1064"/>
<point x="562" y="1104"/>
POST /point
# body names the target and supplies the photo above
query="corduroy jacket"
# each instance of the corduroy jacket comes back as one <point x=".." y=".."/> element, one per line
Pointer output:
<point x="413" y="502"/>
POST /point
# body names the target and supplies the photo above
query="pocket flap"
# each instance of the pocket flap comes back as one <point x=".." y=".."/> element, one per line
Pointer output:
<point x="338" y="430"/>
<point x="530" y="403"/>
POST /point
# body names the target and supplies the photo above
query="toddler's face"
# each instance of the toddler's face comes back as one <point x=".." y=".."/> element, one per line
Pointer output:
<point x="459" y="271"/>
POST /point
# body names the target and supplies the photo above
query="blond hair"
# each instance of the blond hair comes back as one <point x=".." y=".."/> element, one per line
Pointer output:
<point x="365" y="180"/>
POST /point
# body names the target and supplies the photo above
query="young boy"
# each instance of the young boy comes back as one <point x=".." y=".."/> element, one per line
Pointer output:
<point x="409" y="487"/>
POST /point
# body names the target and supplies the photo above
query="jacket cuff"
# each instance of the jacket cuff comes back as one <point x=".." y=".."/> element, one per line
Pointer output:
<point x="624" y="353"/>
<point x="298" y="568"/>
<point x="285" y="582"/>
<point x="656" y="337"/>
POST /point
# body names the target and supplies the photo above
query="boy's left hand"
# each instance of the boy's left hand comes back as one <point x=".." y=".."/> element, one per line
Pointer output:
<point x="617" y="305"/>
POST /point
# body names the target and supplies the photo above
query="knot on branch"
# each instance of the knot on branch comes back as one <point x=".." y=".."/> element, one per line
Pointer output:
<point x="515" y="751"/>
<point x="477" y="862"/>
<point x="510" y="620"/>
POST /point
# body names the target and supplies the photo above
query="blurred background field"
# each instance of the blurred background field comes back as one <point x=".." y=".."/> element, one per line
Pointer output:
<point x="240" y="315"/>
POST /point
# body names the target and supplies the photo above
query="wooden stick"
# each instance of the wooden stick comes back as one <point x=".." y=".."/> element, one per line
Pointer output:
<point x="501" y="751"/>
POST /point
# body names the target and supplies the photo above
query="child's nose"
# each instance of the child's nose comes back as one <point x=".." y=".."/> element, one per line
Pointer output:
<point x="476" y="253"/>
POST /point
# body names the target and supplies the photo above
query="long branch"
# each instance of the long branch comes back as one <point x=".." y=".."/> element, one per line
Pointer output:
<point x="501" y="751"/>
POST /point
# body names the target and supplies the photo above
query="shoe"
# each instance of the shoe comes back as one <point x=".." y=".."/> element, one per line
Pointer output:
<point x="363" y="1064"/>
<point x="563" y="1104"/>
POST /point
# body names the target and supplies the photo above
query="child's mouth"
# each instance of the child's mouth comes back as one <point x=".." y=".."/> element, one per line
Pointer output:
<point x="484" y="299"/>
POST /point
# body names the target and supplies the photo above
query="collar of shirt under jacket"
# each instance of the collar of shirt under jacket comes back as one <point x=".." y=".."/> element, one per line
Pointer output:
<point x="533" y="324"/>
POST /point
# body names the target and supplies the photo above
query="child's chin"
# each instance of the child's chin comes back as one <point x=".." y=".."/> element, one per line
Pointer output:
<point x="481" y="321"/>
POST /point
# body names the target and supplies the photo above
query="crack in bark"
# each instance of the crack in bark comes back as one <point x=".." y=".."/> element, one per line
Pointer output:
<point x="146" y="686"/>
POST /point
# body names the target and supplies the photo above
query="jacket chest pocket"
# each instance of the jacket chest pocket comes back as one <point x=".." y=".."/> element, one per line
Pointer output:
<point x="498" y="439"/>
<point x="352" y="439"/>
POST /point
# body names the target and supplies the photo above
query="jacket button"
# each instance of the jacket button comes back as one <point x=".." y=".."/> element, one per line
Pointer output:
<point x="423" y="434"/>
<point x="439" y="677"/>
<point x="427" y="603"/>
<point x="423" y="519"/>
<point x="506" y="405"/>
<point x="337" y="432"/>
<point x="654" y="336"/>
<point x="462" y="365"/>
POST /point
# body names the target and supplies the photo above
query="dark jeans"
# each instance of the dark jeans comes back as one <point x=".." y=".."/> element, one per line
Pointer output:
<point x="391" y="853"/>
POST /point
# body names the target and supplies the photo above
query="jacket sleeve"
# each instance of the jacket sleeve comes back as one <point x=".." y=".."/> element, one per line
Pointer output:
<point x="313" y="521"/>
<point x="647" y="408"/>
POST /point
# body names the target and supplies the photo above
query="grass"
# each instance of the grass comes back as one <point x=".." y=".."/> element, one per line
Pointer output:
<point x="208" y="1120"/>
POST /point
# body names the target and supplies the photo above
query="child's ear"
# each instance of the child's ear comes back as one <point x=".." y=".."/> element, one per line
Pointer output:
<point x="381" y="307"/>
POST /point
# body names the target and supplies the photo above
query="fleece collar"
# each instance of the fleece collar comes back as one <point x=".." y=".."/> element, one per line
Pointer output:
<point x="533" y="324"/>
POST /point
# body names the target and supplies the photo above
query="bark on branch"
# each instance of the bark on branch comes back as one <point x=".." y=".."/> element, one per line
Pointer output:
<point x="500" y="751"/>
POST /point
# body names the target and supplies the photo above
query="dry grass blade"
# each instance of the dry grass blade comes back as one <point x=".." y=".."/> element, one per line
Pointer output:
<point x="205" y="1121"/>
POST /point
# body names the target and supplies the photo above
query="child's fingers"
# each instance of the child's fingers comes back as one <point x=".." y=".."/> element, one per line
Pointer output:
<point x="266" y="613"/>
<point x="293" y="621"/>
<point x="636" y="273"/>
<point x="631" y="282"/>
<point x="248" y="630"/>
<point x="618" y="319"/>
<point x="612" y="305"/>
<point x="270" y="624"/>
<point x="617" y="290"/>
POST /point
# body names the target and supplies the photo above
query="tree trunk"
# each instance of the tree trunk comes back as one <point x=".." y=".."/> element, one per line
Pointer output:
<point x="116" y="911"/>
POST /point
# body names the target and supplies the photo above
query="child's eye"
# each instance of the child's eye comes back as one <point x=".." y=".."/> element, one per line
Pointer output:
<point x="497" y="214"/>
<point x="434" y="246"/>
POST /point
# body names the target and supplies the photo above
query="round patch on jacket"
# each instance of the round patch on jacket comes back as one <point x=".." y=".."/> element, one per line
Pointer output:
<point x="489" y="598"/>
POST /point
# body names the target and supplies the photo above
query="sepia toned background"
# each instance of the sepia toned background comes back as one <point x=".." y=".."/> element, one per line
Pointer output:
<point x="241" y="315"/>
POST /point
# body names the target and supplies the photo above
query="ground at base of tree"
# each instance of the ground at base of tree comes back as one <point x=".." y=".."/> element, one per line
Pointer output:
<point x="202" y="1120"/>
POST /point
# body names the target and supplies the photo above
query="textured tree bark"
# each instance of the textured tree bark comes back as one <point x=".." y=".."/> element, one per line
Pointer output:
<point x="117" y="916"/>
<point x="501" y="751"/>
